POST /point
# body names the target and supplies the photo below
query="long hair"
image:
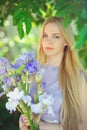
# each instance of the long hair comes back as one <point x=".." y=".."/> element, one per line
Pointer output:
<point x="68" y="76"/>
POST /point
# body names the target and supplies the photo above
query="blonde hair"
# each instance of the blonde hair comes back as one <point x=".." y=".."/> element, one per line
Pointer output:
<point x="69" y="75"/>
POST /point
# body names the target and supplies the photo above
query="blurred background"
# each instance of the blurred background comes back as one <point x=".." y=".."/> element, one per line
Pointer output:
<point x="20" y="24"/>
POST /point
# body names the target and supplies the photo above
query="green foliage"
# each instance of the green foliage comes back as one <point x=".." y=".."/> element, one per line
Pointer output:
<point x="20" y="28"/>
<point x="26" y="12"/>
<point x="74" y="10"/>
<point x="21" y="18"/>
<point x="82" y="37"/>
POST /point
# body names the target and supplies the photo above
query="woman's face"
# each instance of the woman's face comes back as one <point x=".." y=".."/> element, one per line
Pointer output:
<point x="52" y="40"/>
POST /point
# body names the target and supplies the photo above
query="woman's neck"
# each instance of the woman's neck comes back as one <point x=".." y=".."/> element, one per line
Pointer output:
<point x="54" y="60"/>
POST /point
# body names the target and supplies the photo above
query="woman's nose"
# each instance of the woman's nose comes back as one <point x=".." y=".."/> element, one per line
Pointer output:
<point x="49" y="39"/>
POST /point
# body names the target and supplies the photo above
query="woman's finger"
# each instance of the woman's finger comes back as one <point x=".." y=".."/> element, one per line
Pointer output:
<point x="25" y="120"/>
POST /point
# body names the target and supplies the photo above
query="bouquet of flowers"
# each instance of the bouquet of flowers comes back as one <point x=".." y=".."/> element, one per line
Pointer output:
<point x="15" y="81"/>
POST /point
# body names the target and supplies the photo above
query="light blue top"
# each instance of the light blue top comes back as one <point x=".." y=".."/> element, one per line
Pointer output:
<point x="50" y="77"/>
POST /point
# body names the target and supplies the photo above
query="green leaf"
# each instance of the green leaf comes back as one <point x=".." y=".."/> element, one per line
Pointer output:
<point x="85" y="4"/>
<point x="60" y="4"/>
<point x="67" y="21"/>
<point x="20" y="28"/>
<point x="84" y="14"/>
<point x="62" y="12"/>
<point x="36" y="8"/>
<point x="23" y="4"/>
<point x="17" y="14"/>
<point x="23" y="17"/>
<point x="28" y="24"/>
<point x="82" y="37"/>
<point x="49" y="0"/>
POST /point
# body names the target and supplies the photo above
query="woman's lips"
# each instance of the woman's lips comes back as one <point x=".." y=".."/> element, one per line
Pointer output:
<point x="48" y="48"/>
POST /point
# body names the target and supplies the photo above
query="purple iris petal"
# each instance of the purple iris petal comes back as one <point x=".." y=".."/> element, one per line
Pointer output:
<point x="19" y="61"/>
<point x="2" y="71"/>
<point x="15" y="66"/>
<point x="30" y="55"/>
<point x="32" y="66"/>
<point x="43" y="84"/>
<point x="16" y="77"/>
<point x="7" y="81"/>
<point x="22" y="59"/>
<point x="27" y="56"/>
<point x="3" y="61"/>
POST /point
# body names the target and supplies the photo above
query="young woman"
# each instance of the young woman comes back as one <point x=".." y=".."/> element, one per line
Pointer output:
<point x="64" y="77"/>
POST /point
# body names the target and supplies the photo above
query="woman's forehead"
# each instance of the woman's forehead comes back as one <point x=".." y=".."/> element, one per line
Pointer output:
<point x="51" y="28"/>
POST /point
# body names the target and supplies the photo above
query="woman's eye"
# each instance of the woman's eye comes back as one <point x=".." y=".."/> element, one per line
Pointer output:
<point x="55" y="37"/>
<point x="44" y="35"/>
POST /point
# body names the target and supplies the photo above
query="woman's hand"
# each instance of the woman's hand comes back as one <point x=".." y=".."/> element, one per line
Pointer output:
<point x="23" y="123"/>
<point x="25" y="120"/>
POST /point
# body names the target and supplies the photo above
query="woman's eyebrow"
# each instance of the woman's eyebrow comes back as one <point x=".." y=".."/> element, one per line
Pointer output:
<point x="56" y="33"/>
<point x="45" y="32"/>
<point x="53" y="33"/>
